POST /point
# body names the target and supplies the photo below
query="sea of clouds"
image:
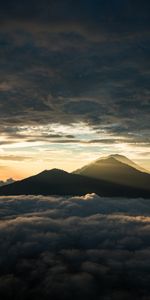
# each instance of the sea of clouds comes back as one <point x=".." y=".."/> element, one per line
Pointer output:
<point x="74" y="248"/>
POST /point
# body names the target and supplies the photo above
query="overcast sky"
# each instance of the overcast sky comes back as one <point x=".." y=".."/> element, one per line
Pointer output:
<point x="74" y="83"/>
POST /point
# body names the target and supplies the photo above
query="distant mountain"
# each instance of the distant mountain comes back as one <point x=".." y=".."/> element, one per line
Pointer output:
<point x="8" y="181"/>
<point x="117" y="169"/>
<point x="59" y="182"/>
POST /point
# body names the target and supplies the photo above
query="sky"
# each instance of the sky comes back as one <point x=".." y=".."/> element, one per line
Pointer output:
<point x="74" y="83"/>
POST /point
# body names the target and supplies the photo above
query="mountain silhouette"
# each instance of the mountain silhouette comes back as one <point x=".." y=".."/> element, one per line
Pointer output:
<point x="8" y="181"/>
<point x="117" y="169"/>
<point x="59" y="182"/>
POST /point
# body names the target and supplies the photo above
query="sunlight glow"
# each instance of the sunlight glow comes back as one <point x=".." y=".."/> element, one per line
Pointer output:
<point x="35" y="148"/>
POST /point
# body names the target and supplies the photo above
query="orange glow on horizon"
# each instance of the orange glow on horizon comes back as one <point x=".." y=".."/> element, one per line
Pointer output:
<point x="21" y="170"/>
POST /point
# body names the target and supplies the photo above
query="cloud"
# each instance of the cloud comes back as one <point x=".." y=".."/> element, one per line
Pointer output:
<point x="66" y="62"/>
<point x="87" y="15"/>
<point x="83" y="247"/>
<point x="14" y="157"/>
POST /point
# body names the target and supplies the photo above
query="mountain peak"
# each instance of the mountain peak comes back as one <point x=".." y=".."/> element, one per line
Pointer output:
<point x="129" y="162"/>
<point x="122" y="159"/>
<point x="53" y="171"/>
<point x="117" y="156"/>
<point x="58" y="171"/>
<point x="118" y="169"/>
<point x="104" y="158"/>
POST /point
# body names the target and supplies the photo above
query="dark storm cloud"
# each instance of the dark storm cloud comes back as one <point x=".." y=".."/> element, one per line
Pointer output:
<point x="81" y="247"/>
<point x="85" y="13"/>
<point x="71" y="61"/>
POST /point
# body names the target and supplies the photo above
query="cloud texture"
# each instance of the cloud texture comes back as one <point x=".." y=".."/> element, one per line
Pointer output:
<point x="74" y="248"/>
<point x="83" y="61"/>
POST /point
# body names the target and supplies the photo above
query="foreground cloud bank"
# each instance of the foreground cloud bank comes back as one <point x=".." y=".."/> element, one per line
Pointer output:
<point x="74" y="248"/>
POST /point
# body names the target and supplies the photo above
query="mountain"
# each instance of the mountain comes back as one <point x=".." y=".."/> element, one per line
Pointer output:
<point x="129" y="162"/>
<point x="8" y="181"/>
<point x="117" y="169"/>
<point x="59" y="182"/>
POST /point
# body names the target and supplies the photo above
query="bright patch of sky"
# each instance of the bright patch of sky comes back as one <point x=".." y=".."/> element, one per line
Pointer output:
<point x="35" y="148"/>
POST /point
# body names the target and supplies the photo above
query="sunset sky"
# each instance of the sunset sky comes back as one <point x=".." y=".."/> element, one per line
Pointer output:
<point x="74" y="83"/>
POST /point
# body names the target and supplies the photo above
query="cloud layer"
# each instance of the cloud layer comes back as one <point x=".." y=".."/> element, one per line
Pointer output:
<point x="83" y="61"/>
<point x="68" y="248"/>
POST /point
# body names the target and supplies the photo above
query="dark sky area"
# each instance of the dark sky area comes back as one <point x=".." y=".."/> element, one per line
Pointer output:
<point x="64" y="62"/>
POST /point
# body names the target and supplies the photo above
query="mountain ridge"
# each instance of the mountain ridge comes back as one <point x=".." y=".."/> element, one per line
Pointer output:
<point x="60" y="182"/>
